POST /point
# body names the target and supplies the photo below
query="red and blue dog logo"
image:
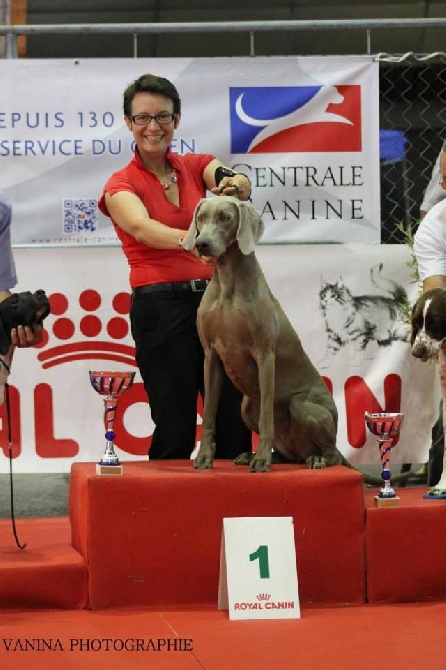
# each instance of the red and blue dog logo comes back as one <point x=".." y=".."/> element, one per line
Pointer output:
<point x="283" y="119"/>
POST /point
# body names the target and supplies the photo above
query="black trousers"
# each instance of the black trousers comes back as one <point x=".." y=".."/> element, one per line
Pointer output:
<point x="170" y="359"/>
<point x="436" y="451"/>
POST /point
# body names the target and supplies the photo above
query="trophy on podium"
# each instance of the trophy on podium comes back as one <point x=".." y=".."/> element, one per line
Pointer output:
<point x="111" y="385"/>
<point x="385" y="425"/>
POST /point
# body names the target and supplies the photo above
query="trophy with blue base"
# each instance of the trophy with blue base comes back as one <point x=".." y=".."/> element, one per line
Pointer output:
<point x="111" y="385"/>
<point x="385" y="425"/>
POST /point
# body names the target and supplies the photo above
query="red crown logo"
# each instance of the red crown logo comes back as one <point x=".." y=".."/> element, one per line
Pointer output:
<point x="263" y="597"/>
<point x="61" y="326"/>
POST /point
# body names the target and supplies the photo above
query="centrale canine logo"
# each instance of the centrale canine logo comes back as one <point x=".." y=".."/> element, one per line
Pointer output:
<point x="80" y="330"/>
<point x="277" y="119"/>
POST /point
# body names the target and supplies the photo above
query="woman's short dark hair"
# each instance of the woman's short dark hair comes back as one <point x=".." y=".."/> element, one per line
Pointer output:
<point x="150" y="83"/>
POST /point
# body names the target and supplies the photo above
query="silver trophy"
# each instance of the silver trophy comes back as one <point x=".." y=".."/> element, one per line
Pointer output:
<point x="111" y="385"/>
<point x="385" y="425"/>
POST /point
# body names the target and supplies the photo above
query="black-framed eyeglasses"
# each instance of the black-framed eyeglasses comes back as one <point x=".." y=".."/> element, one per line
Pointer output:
<point x="144" y="119"/>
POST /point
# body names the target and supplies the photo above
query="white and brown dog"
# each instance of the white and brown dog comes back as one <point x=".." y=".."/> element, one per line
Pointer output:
<point x="428" y="341"/>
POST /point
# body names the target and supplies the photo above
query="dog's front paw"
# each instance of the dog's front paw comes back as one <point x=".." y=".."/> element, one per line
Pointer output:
<point x="244" y="459"/>
<point x="260" y="463"/>
<point x="316" y="463"/>
<point x="203" y="463"/>
<point x="204" y="460"/>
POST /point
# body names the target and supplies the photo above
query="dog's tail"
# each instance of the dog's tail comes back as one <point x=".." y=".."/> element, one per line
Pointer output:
<point x="400" y="478"/>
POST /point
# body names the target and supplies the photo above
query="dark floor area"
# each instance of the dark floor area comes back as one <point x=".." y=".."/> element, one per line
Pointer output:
<point x="34" y="495"/>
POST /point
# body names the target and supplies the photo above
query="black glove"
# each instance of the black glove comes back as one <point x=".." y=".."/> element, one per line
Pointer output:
<point x="21" y="309"/>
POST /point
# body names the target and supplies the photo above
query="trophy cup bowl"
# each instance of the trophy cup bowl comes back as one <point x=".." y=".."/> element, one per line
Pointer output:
<point x="111" y="385"/>
<point x="385" y="425"/>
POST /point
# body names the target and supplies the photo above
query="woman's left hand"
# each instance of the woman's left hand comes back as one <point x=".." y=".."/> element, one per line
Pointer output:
<point x="227" y="187"/>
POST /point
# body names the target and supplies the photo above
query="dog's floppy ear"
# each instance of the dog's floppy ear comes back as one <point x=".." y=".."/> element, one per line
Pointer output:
<point x="250" y="228"/>
<point x="192" y="233"/>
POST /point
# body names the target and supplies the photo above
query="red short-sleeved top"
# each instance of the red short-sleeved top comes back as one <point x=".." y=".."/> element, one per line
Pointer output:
<point x="147" y="264"/>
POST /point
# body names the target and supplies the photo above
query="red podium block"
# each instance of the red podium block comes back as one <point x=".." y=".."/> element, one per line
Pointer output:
<point x="406" y="548"/>
<point x="152" y="537"/>
<point x="48" y="573"/>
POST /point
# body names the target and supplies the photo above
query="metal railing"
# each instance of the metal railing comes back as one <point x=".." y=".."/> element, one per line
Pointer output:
<point x="11" y="33"/>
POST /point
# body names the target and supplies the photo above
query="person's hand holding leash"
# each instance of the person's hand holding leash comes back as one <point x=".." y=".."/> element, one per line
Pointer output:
<point x="227" y="187"/>
<point x="231" y="183"/>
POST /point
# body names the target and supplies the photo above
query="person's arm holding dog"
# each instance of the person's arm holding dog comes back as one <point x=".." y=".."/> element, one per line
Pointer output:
<point x="129" y="212"/>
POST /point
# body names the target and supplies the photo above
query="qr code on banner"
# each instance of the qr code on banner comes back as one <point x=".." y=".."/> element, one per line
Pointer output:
<point x="80" y="215"/>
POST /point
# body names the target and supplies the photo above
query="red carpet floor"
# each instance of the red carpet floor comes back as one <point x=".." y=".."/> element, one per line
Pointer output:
<point x="44" y="623"/>
<point x="48" y="572"/>
<point x="403" y="636"/>
<point x="395" y="637"/>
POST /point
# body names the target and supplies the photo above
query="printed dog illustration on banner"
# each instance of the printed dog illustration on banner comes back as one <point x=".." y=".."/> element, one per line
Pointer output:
<point x="364" y="322"/>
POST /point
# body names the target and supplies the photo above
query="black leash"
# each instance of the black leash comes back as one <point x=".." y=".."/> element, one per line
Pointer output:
<point x="11" y="481"/>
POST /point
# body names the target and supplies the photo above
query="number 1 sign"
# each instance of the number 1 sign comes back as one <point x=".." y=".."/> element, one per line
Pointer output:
<point x="258" y="575"/>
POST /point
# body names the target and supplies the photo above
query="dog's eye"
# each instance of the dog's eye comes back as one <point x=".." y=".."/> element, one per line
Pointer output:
<point x="435" y="327"/>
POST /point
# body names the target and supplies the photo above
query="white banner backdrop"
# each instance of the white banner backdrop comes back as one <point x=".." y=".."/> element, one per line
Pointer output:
<point x="340" y="299"/>
<point x="305" y="130"/>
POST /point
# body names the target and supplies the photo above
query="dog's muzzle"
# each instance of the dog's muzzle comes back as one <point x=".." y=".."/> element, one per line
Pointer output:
<point x="206" y="246"/>
<point x="426" y="347"/>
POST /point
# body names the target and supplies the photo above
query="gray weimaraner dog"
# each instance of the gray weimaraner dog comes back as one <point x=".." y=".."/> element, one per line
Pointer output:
<point x="244" y="330"/>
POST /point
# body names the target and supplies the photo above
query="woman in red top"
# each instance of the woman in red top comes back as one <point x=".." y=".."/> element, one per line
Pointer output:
<point x="151" y="203"/>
